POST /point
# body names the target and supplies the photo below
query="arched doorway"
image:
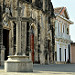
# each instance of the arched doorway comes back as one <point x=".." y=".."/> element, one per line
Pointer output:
<point x="6" y="42"/>
<point x="32" y="43"/>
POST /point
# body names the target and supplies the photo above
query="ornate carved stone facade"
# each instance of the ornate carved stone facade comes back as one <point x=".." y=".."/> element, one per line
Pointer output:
<point x="35" y="20"/>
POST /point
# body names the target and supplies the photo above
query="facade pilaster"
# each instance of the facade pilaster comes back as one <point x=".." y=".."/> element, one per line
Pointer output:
<point x="43" y="5"/>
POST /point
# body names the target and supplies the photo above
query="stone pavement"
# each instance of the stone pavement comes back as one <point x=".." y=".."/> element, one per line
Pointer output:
<point x="52" y="69"/>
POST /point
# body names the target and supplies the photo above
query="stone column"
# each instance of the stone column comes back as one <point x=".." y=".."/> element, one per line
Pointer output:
<point x="1" y="33"/>
<point x="12" y="34"/>
<point x="30" y="55"/>
<point x="2" y="56"/>
<point x="18" y="31"/>
<point x="42" y="57"/>
<point x="1" y="39"/>
<point x="23" y="37"/>
<point x="11" y="40"/>
<point x="43" y="5"/>
<point x="48" y="59"/>
<point x="18" y="40"/>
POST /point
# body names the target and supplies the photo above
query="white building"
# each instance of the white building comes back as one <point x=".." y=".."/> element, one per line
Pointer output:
<point x="62" y="37"/>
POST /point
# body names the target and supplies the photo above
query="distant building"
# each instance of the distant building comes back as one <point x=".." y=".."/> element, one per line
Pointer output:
<point x="72" y="52"/>
<point x="62" y="37"/>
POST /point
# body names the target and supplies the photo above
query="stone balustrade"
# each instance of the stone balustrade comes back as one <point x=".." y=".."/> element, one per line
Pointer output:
<point x="63" y="36"/>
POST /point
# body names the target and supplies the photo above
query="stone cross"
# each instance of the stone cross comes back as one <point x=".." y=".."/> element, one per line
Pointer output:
<point x="18" y="20"/>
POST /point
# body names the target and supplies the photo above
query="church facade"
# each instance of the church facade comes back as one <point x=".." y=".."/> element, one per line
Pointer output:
<point x="36" y="28"/>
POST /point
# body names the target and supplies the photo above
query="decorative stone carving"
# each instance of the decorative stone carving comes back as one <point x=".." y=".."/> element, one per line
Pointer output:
<point x="19" y="62"/>
<point x="39" y="4"/>
<point x="5" y="19"/>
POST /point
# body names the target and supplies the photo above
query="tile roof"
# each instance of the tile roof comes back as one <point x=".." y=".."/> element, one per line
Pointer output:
<point x="59" y="10"/>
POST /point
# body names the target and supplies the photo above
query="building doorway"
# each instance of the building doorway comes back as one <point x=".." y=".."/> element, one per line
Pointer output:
<point x="65" y="55"/>
<point x="50" y="51"/>
<point x="6" y="42"/>
<point x="60" y="54"/>
<point x="69" y="51"/>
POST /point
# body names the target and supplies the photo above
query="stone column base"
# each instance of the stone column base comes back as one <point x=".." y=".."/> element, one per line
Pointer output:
<point x="60" y="62"/>
<point x="18" y="64"/>
<point x="2" y="57"/>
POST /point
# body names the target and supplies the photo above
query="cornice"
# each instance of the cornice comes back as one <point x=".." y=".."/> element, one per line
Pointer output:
<point x="64" y="18"/>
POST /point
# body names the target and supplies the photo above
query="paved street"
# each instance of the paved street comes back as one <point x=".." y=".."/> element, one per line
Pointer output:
<point x="53" y="69"/>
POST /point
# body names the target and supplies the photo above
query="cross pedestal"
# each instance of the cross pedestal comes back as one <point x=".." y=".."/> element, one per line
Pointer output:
<point x="18" y="62"/>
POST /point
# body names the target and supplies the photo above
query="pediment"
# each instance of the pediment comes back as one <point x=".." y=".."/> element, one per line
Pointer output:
<point x="64" y="13"/>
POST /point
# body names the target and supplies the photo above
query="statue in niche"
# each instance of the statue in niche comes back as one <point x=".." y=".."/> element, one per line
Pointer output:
<point x="39" y="3"/>
<point x="5" y="19"/>
<point x="5" y="16"/>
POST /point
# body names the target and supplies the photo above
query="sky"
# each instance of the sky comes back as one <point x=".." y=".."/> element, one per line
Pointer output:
<point x="70" y="5"/>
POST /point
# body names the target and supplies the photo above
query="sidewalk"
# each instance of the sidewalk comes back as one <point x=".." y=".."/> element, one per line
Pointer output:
<point x="45" y="70"/>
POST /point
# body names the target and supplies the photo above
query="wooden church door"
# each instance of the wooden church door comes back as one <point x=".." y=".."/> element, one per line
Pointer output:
<point x="32" y="44"/>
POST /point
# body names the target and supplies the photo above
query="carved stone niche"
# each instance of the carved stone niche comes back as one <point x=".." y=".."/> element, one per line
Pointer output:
<point x="39" y="3"/>
<point x="5" y="19"/>
<point x="7" y="3"/>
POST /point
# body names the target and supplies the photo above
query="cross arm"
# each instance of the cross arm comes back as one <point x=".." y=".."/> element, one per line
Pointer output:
<point x="12" y="18"/>
<point x="27" y="19"/>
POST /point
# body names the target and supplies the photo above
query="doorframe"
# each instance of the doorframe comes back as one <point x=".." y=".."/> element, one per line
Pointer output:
<point x="7" y="40"/>
<point x="60" y="54"/>
<point x="65" y="55"/>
